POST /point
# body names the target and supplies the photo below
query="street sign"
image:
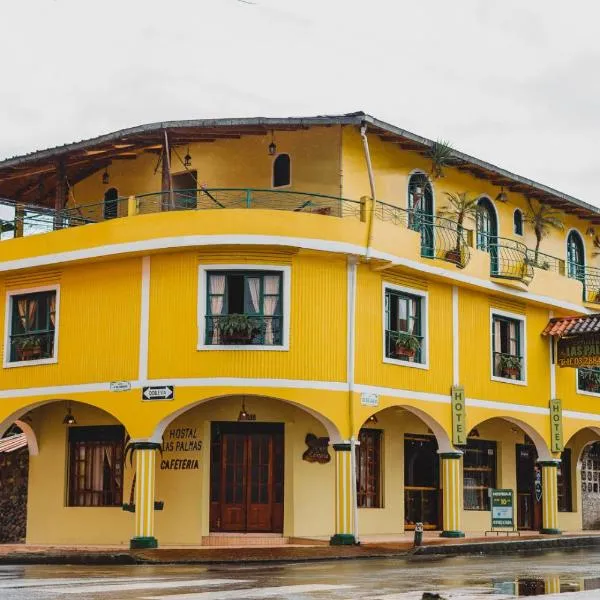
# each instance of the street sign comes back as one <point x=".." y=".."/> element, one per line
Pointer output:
<point x="459" y="416"/>
<point x="120" y="386"/>
<point x="163" y="392"/>
<point x="502" y="509"/>
<point x="367" y="399"/>
<point x="556" y="426"/>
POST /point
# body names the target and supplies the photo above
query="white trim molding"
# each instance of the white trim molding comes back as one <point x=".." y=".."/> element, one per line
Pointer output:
<point x="286" y="291"/>
<point x="424" y="300"/>
<point x="10" y="294"/>
<point x="144" y="320"/>
<point x="522" y="320"/>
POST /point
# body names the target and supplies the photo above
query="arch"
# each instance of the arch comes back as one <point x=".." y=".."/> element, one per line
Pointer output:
<point x="518" y="221"/>
<point x="575" y="255"/>
<point x="282" y="171"/>
<point x="332" y="430"/>
<point x="111" y="203"/>
<point x="32" y="443"/>
<point x="443" y="439"/>
<point x="584" y="444"/>
<point x="541" y="447"/>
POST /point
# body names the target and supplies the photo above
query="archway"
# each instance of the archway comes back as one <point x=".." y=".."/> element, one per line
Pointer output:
<point x="398" y="470"/>
<point x="245" y="464"/>
<point x="79" y="463"/>
<point x="503" y="452"/>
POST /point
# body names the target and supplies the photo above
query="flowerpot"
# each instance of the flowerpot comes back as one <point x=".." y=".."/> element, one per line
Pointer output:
<point x="240" y="339"/>
<point x="510" y="373"/>
<point x="406" y="352"/>
<point x="30" y="353"/>
<point x="454" y="256"/>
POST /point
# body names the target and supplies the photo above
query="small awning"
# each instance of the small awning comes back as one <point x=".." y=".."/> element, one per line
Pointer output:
<point x="13" y="442"/>
<point x="569" y="326"/>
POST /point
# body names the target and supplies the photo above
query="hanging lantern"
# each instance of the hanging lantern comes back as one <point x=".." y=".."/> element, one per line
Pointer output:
<point x="187" y="159"/>
<point x="502" y="196"/>
<point x="244" y="415"/>
<point x="272" y="145"/>
<point x="69" y="419"/>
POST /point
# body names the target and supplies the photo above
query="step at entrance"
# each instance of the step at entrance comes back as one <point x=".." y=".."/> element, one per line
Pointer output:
<point x="244" y="539"/>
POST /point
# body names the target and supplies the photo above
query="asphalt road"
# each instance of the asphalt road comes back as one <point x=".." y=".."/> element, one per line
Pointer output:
<point x="455" y="578"/>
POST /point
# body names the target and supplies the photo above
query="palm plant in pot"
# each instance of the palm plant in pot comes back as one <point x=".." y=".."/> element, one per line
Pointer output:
<point x="542" y="218"/>
<point x="440" y="154"/>
<point x="460" y="208"/>
<point x="510" y="366"/>
<point x="406" y="345"/>
<point x="236" y="329"/>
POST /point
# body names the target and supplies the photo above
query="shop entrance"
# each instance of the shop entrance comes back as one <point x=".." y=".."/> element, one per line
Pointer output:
<point x="422" y="498"/>
<point x="529" y="488"/>
<point x="246" y="477"/>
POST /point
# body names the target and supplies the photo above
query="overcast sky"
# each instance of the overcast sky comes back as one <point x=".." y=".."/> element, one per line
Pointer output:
<point x="513" y="82"/>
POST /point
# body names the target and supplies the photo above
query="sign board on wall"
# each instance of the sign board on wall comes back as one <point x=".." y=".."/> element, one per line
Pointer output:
<point x="503" y="515"/>
<point x="459" y="416"/>
<point x="579" y="351"/>
<point x="367" y="399"/>
<point x="556" y="425"/>
<point x="120" y="386"/>
<point x="162" y="392"/>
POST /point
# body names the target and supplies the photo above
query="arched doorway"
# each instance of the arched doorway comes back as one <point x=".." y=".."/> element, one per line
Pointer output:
<point x="420" y="211"/>
<point x="245" y="465"/>
<point x="111" y="203"/>
<point x="487" y="231"/>
<point x="575" y="256"/>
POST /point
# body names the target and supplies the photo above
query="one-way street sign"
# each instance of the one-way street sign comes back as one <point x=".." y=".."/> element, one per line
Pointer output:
<point x="163" y="392"/>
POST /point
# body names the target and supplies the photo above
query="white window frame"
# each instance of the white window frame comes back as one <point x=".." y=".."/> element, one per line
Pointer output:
<point x="578" y="390"/>
<point x="286" y="272"/>
<point x="7" y="363"/>
<point x="424" y="296"/>
<point x="522" y="319"/>
<point x="280" y="187"/>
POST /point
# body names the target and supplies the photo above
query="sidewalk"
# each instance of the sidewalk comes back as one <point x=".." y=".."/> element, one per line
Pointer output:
<point x="381" y="546"/>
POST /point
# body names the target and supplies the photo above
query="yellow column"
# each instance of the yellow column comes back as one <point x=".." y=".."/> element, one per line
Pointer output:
<point x="131" y="206"/>
<point x="345" y="495"/>
<point x="145" y="458"/>
<point x="549" y="496"/>
<point x="452" y="488"/>
<point x="552" y="584"/>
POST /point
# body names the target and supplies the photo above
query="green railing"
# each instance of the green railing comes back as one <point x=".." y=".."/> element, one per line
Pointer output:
<point x="546" y="262"/>
<point x="441" y="238"/>
<point x="591" y="284"/>
<point x="508" y="258"/>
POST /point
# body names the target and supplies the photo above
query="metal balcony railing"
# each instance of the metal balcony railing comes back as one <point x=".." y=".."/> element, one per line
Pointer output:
<point x="508" y="258"/>
<point x="441" y="238"/>
<point x="546" y="262"/>
<point x="261" y="330"/>
<point x="591" y="284"/>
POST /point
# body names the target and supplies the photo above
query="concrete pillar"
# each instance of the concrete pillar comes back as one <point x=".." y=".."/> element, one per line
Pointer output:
<point x="452" y="486"/>
<point x="345" y="495"/>
<point x="549" y="496"/>
<point x="145" y="473"/>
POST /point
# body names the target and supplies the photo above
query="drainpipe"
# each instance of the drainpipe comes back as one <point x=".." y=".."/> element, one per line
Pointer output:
<point x="365" y="145"/>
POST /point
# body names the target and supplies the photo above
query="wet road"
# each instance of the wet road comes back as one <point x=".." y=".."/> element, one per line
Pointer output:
<point x="576" y="574"/>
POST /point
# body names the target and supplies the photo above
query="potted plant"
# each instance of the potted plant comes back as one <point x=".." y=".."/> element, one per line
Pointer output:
<point x="591" y="380"/>
<point x="28" y="347"/>
<point x="460" y="207"/>
<point x="405" y="344"/>
<point x="510" y="366"/>
<point x="542" y="218"/>
<point x="440" y="154"/>
<point x="236" y="329"/>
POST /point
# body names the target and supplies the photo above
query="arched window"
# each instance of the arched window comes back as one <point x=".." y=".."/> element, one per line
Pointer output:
<point x="282" y="171"/>
<point x="575" y="256"/>
<point x="487" y="225"/>
<point x="518" y="222"/>
<point x="420" y="211"/>
<point x="111" y="203"/>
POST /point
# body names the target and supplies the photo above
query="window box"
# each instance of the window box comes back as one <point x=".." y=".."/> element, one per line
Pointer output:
<point x="31" y="317"/>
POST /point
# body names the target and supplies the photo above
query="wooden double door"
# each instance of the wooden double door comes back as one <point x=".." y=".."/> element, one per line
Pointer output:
<point x="247" y="465"/>
<point x="529" y="488"/>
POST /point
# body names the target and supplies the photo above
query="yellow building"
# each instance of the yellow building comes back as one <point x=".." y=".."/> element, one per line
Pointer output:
<point x="278" y="327"/>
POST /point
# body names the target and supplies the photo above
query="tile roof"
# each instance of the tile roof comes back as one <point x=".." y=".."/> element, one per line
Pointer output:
<point x="578" y="325"/>
<point x="13" y="442"/>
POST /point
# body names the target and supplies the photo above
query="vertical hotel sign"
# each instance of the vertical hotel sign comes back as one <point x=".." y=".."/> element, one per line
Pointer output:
<point x="556" y="426"/>
<point x="459" y="416"/>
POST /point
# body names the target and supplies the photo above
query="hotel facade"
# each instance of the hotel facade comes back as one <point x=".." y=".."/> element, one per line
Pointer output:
<point x="279" y="327"/>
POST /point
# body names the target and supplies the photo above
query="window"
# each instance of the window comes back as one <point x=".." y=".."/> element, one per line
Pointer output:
<point x="564" y="481"/>
<point x="111" y="203"/>
<point x="507" y="348"/>
<point x="420" y="211"/>
<point x="282" y="171"/>
<point x="244" y="308"/>
<point x="575" y="256"/>
<point x="32" y="326"/>
<point x="487" y="226"/>
<point x="368" y="469"/>
<point x="404" y="326"/>
<point x="590" y="472"/>
<point x="588" y="380"/>
<point x="479" y="471"/>
<point x="96" y="466"/>
<point x="518" y="222"/>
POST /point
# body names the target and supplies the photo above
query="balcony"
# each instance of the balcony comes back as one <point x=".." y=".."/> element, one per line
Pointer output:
<point x="440" y="238"/>
<point x="509" y="259"/>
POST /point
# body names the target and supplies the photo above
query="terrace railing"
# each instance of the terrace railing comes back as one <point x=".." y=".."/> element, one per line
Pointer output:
<point x="509" y="259"/>
<point x="591" y="284"/>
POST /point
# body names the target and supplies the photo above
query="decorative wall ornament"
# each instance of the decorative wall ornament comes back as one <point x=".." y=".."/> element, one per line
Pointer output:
<point x="318" y="449"/>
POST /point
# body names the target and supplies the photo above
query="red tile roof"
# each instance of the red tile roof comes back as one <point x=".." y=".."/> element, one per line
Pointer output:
<point x="567" y="326"/>
<point x="13" y="442"/>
